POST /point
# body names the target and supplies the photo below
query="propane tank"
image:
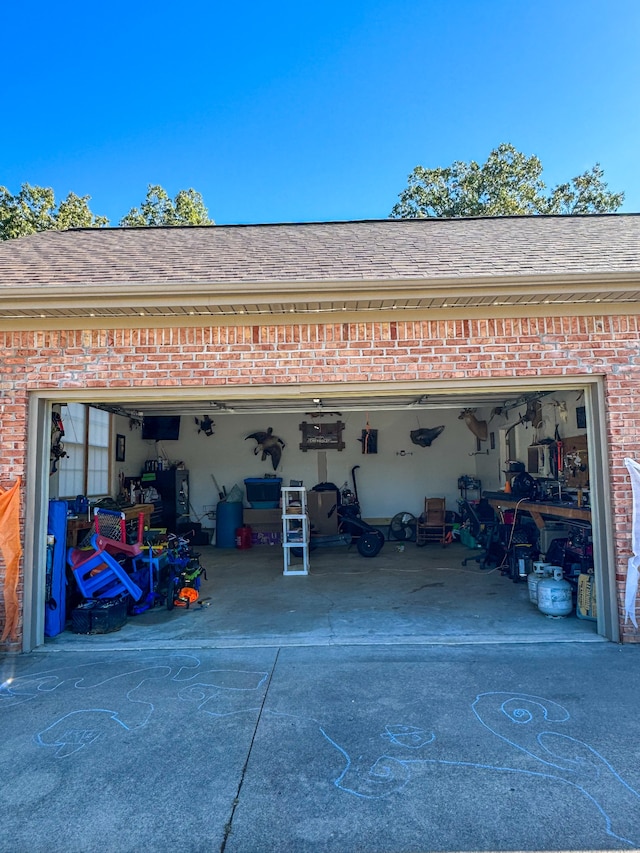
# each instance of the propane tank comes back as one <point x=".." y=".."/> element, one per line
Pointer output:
<point x="555" y="596"/>
<point x="541" y="570"/>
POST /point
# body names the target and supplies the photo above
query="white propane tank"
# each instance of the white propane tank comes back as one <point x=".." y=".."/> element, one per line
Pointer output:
<point x="541" y="570"/>
<point x="555" y="597"/>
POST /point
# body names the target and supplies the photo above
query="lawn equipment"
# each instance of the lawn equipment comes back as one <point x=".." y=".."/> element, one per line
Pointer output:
<point x="351" y="528"/>
<point x="368" y="539"/>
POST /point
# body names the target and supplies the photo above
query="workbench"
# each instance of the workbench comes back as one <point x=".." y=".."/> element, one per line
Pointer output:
<point x="539" y="510"/>
<point x="131" y="513"/>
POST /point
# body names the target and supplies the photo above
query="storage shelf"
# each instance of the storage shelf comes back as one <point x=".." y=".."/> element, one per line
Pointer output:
<point x="295" y="529"/>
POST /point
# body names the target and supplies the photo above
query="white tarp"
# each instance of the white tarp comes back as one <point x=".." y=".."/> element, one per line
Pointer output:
<point x="631" y="588"/>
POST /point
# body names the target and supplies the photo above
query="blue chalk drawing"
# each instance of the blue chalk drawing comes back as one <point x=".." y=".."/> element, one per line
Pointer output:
<point x="524" y="722"/>
<point x="217" y="693"/>
<point x="224" y="692"/>
<point x="409" y="736"/>
<point x="387" y="775"/>
<point x="79" y="729"/>
<point x="527" y="723"/>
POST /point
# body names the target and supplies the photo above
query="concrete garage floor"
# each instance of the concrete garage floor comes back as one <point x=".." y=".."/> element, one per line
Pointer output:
<point x="405" y="595"/>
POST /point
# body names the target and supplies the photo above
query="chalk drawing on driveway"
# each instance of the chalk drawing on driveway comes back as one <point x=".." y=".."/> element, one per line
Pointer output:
<point x="528" y="724"/>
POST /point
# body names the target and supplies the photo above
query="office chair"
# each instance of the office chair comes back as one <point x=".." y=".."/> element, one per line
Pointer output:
<point x="485" y="529"/>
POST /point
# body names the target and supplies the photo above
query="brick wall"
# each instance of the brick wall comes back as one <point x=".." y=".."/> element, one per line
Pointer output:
<point x="376" y="351"/>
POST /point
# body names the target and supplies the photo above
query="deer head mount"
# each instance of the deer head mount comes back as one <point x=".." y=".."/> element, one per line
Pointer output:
<point x="479" y="428"/>
<point x="532" y="415"/>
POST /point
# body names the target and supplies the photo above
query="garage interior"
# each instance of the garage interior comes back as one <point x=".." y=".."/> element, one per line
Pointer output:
<point x="393" y="451"/>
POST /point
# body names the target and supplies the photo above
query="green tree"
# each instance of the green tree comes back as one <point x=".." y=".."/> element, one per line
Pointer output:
<point x="508" y="184"/>
<point x="586" y="193"/>
<point x="34" y="209"/>
<point x="187" y="208"/>
<point x="74" y="212"/>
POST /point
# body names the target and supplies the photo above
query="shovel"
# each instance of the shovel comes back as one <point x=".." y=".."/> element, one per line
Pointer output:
<point x="222" y="494"/>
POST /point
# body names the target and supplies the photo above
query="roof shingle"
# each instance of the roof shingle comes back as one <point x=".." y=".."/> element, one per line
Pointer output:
<point x="375" y="250"/>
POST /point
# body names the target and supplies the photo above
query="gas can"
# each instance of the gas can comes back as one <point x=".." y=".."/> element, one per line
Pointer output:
<point x="243" y="538"/>
<point x="555" y="597"/>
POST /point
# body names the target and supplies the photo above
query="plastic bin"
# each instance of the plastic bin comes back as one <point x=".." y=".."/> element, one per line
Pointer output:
<point x="263" y="493"/>
<point x="100" y="617"/>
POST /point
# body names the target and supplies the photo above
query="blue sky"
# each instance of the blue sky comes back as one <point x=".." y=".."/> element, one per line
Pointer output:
<point x="301" y="111"/>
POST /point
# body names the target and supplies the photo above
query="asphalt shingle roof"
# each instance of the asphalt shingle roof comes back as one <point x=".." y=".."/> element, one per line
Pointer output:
<point x="343" y="251"/>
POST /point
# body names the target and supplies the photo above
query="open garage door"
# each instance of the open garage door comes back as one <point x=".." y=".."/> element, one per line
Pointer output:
<point x="428" y="441"/>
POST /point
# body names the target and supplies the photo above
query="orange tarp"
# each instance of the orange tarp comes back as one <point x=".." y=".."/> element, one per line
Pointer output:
<point x="11" y="551"/>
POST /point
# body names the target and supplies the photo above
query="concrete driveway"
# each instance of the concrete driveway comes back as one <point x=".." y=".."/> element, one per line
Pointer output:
<point x="374" y="749"/>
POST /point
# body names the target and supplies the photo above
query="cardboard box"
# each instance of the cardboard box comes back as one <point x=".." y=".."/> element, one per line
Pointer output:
<point x="259" y="537"/>
<point x="586" y="606"/>
<point x="253" y="517"/>
<point x="319" y="506"/>
<point x="265" y="528"/>
<point x="265" y="523"/>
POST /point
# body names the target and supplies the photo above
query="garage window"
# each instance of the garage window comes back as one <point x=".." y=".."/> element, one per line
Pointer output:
<point x="85" y="470"/>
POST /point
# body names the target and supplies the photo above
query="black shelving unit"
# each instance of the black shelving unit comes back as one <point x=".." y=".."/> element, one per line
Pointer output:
<point x="173" y="488"/>
<point x="468" y="484"/>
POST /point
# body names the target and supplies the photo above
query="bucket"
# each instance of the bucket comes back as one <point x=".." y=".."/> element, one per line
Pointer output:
<point x="243" y="538"/>
<point x="228" y="520"/>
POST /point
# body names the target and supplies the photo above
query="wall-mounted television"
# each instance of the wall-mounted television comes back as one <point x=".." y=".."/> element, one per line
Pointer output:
<point x="161" y="428"/>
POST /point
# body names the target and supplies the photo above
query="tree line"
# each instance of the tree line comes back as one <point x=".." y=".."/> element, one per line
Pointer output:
<point x="34" y="209"/>
<point x="509" y="183"/>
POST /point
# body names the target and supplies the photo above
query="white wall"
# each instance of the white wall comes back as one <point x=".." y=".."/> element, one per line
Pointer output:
<point x="388" y="482"/>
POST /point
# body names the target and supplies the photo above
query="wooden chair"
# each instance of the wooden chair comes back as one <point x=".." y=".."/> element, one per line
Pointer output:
<point x="431" y="525"/>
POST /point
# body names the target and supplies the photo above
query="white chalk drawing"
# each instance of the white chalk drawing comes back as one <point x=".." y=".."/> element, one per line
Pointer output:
<point x="527" y="723"/>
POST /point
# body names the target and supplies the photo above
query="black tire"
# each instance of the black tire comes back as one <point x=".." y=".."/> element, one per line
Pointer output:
<point x="403" y="527"/>
<point x="370" y="543"/>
